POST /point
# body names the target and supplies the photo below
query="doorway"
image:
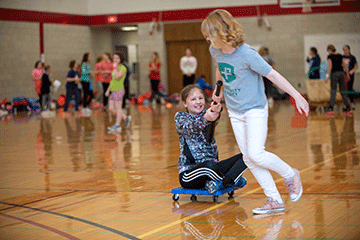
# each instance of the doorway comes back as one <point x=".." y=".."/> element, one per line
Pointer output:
<point x="175" y="50"/>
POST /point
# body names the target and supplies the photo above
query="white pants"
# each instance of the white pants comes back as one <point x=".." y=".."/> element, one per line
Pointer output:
<point x="250" y="131"/>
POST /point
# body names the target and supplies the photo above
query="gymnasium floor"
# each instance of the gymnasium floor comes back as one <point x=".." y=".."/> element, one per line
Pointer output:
<point x="68" y="178"/>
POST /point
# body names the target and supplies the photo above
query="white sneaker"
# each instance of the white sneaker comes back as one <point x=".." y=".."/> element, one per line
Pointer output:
<point x="294" y="186"/>
<point x="114" y="128"/>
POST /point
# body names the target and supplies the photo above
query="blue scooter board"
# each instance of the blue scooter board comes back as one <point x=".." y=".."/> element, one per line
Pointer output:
<point x="194" y="192"/>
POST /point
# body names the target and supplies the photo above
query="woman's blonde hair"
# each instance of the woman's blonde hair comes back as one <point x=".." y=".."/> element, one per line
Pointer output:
<point x="157" y="58"/>
<point x="221" y="24"/>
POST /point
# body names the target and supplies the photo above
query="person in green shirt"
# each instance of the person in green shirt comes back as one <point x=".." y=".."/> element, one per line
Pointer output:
<point x="117" y="90"/>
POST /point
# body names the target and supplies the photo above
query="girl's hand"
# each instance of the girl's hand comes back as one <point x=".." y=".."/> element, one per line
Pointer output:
<point x="302" y="105"/>
<point x="217" y="98"/>
<point x="210" y="115"/>
<point x="326" y="79"/>
<point x="107" y="93"/>
<point x="215" y="108"/>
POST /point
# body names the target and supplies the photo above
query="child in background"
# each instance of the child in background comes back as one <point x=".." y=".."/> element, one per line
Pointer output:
<point x="36" y="76"/>
<point x="45" y="89"/>
<point x="201" y="82"/>
<point x="240" y="68"/>
<point x="199" y="166"/>
<point x="72" y="81"/>
<point x="117" y="93"/>
<point x="86" y="82"/>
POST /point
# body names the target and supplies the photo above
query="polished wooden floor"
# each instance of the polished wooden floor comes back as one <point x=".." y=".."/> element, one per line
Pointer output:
<point x="68" y="178"/>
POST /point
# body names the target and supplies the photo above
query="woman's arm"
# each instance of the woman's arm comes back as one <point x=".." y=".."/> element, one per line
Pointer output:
<point x="118" y="74"/>
<point x="33" y="78"/>
<point x="107" y="93"/>
<point x="328" y="70"/>
<point x="301" y="104"/>
<point x="356" y="66"/>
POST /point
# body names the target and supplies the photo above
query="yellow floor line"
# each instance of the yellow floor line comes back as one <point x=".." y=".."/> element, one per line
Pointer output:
<point x="223" y="203"/>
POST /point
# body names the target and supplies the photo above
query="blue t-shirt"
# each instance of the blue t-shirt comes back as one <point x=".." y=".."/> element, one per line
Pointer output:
<point x="241" y="72"/>
<point x="314" y="69"/>
<point x="351" y="60"/>
<point x="72" y="74"/>
<point x="203" y="84"/>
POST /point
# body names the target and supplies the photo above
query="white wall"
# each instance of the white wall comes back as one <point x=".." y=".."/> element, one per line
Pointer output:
<point x="79" y="7"/>
<point x="96" y="7"/>
<point x="20" y="49"/>
<point x="63" y="43"/>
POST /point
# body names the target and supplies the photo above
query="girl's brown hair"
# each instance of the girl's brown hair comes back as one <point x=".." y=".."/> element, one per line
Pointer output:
<point x="221" y="24"/>
<point x="109" y="56"/>
<point x="331" y="48"/>
<point x="98" y="59"/>
<point x="187" y="90"/>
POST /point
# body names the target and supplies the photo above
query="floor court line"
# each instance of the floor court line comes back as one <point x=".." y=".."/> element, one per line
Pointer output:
<point x="61" y="233"/>
<point x="224" y="203"/>
<point x="128" y="236"/>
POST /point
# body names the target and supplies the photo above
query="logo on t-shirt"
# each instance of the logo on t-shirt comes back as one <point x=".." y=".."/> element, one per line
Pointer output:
<point x="227" y="72"/>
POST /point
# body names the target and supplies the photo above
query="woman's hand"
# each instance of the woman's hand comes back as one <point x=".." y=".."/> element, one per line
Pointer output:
<point x="302" y="105"/>
<point x="107" y="93"/>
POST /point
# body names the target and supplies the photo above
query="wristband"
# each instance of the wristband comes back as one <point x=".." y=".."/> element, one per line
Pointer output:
<point x="327" y="75"/>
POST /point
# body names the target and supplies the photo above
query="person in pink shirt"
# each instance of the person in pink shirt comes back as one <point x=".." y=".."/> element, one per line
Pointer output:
<point x="106" y="68"/>
<point x="36" y="77"/>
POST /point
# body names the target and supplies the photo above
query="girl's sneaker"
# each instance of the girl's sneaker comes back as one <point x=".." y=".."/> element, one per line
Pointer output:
<point x="269" y="207"/>
<point x="294" y="186"/>
<point x="213" y="185"/>
<point x="114" y="128"/>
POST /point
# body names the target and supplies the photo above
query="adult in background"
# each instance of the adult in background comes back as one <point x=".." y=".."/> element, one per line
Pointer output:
<point x="315" y="60"/>
<point x="86" y="78"/>
<point x="154" y="68"/>
<point x="36" y="76"/>
<point x="337" y="67"/>
<point x="352" y="66"/>
<point x="188" y="65"/>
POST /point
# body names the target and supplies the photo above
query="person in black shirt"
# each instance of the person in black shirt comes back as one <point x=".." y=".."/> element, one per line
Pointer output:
<point x="336" y="67"/>
<point x="314" y="70"/>
<point x="352" y="66"/>
<point x="45" y="89"/>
